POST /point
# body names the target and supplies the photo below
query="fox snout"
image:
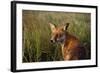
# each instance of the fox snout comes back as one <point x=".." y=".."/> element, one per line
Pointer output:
<point x="59" y="39"/>
<point x="55" y="40"/>
<point x="52" y="41"/>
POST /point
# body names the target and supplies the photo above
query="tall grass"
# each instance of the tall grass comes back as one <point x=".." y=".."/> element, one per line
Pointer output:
<point x="36" y="33"/>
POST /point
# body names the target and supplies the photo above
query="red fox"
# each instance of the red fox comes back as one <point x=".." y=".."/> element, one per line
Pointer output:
<point x="71" y="48"/>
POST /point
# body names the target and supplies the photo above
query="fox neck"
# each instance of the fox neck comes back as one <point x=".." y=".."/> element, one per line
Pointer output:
<point x="64" y="38"/>
<point x="64" y="43"/>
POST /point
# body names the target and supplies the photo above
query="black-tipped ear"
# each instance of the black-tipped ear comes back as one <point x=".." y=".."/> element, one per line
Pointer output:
<point x="66" y="26"/>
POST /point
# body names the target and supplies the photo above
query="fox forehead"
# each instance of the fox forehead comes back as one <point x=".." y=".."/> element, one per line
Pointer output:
<point x="57" y="30"/>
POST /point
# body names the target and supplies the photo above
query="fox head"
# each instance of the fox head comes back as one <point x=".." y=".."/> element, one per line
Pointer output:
<point x="58" y="33"/>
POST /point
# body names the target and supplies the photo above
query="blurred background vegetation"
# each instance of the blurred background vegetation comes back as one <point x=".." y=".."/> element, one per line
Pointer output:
<point x="36" y="33"/>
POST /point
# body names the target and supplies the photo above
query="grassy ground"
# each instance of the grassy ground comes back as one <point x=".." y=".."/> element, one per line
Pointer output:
<point x="36" y="33"/>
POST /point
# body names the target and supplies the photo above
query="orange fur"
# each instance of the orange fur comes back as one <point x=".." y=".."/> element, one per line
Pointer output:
<point x="71" y="48"/>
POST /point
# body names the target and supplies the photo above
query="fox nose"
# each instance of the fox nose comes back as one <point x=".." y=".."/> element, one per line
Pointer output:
<point x="51" y="41"/>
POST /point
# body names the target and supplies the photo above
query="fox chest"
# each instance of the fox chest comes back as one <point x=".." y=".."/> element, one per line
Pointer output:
<point x="65" y="53"/>
<point x="69" y="53"/>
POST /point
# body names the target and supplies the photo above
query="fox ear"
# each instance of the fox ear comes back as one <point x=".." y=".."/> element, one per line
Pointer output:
<point x="66" y="26"/>
<point x="52" y="26"/>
